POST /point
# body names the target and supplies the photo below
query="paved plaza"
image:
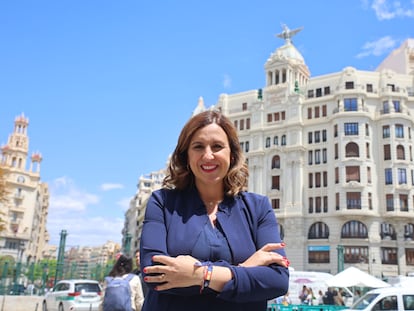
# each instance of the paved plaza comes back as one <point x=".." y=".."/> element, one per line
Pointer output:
<point x="21" y="303"/>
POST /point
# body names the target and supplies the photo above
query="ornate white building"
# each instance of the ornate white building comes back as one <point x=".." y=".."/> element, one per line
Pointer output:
<point x="334" y="154"/>
<point x="25" y="236"/>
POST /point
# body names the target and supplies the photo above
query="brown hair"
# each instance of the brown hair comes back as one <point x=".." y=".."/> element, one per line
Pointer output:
<point x="179" y="175"/>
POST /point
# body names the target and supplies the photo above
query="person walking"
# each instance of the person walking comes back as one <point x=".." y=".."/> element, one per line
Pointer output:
<point x="206" y="242"/>
<point x="122" y="288"/>
<point x="137" y="271"/>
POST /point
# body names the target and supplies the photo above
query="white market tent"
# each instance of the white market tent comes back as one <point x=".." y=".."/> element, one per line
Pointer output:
<point x="354" y="277"/>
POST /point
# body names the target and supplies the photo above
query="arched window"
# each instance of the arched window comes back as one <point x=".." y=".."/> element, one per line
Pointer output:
<point x="387" y="232"/>
<point x="276" y="161"/>
<point x="400" y="152"/>
<point x="352" y="150"/>
<point x="276" y="140"/>
<point x="354" y="230"/>
<point x="318" y="230"/>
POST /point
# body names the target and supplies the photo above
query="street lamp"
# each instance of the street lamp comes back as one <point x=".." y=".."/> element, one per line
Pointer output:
<point x="340" y="250"/>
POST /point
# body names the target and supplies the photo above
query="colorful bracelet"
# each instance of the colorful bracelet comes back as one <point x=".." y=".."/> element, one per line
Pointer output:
<point x="208" y="272"/>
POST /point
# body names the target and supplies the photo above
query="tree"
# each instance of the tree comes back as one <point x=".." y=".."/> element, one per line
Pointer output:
<point x="3" y="198"/>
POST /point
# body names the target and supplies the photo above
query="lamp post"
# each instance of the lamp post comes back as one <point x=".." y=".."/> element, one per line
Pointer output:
<point x="340" y="250"/>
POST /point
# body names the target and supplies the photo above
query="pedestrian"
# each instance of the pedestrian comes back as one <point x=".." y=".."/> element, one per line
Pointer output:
<point x="122" y="288"/>
<point x="303" y="295"/>
<point x="207" y="243"/>
<point x="137" y="271"/>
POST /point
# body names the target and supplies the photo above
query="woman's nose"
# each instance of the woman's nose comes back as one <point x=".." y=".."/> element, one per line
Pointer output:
<point x="208" y="153"/>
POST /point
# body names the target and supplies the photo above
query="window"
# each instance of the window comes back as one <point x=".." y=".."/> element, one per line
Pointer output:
<point x="353" y="200"/>
<point x="241" y="125"/>
<point x="310" y="157"/>
<point x="267" y="142"/>
<point x="409" y="232"/>
<point x="402" y="176"/>
<point x="336" y="130"/>
<point x="318" y="230"/>
<point x="325" y="204"/>
<point x="387" y="152"/>
<point x="309" y="113"/>
<point x="389" y="201"/>
<point x="349" y="85"/>
<point x="247" y="146"/>
<point x="397" y="106"/>
<point x="337" y="207"/>
<point x="356" y="254"/>
<point x="409" y="261"/>
<point x="370" y="200"/>
<point x="317" y="112"/>
<point x="336" y="175"/>
<point x="385" y="107"/>
<point x="388" y="176"/>
<point x="283" y="140"/>
<point x="387" y="232"/>
<point x="276" y="116"/>
<point x="317" y="156"/>
<point x="369" y="88"/>
<point x="351" y="128"/>
<point x="403" y="203"/>
<point x="310" y="207"/>
<point x="248" y="124"/>
<point x="369" y="177"/>
<point x="318" y="255"/>
<point x="336" y="151"/>
<point x="386" y="131"/>
<point x="352" y="173"/>
<point x="366" y="129"/>
<point x="310" y="180"/>
<point x="276" y="203"/>
<point x="325" y="179"/>
<point x="354" y="230"/>
<point x="399" y="131"/>
<point x="276" y="161"/>
<point x="318" y="180"/>
<point x="310" y="136"/>
<point x="269" y="117"/>
<point x="318" y="205"/>
<point x="276" y="140"/>
<point x="400" y="152"/>
<point x="367" y="150"/>
<point x="244" y="106"/>
<point x="317" y="136"/>
<point x="323" y="110"/>
<point x="350" y="104"/>
<point x="276" y="182"/>
<point x="323" y="135"/>
<point x="352" y="150"/>
<point x="324" y="155"/>
<point x="389" y="255"/>
<point x="318" y="92"/>
<point x="327" y="90"/>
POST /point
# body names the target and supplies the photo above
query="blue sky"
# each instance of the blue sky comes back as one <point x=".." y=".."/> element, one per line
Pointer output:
<point x="107" y="85"/>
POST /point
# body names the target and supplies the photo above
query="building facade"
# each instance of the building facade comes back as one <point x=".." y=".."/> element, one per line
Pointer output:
<point x="334" y="154"/>
<point x="25" y="211"/>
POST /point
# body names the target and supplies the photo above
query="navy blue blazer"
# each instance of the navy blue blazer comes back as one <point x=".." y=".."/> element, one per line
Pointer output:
<point x="173" y="222"/>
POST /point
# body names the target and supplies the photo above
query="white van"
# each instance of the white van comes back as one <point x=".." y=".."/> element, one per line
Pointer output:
<point x="387" y="298"/>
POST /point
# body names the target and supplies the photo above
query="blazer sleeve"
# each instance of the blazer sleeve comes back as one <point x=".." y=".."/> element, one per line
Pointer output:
<point x="261" y="282"/>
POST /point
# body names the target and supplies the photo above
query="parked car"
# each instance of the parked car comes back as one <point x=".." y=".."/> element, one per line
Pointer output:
<point x="73" y="295"/>
<point x="387" y="298"/>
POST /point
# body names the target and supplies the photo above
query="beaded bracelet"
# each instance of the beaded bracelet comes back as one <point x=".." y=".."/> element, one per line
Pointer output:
<point x="208" y="272"/>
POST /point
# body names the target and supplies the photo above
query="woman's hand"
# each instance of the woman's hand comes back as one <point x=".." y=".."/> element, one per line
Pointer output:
<point x="174" y="272"/>
<point x="266" y="256"/>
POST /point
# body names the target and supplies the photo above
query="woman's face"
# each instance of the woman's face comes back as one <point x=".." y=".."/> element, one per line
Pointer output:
<point x="209" y="155"/>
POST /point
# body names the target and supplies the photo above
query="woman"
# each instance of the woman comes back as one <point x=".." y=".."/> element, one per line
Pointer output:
<point x="206" y="243"/>
<point x="123" y="269"/>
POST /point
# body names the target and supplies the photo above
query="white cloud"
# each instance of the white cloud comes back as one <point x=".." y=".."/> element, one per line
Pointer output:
<point x="378" y="48"/>
<point x="226" y="81"/>
<point x="385" y="9"/>
<point x="110" y="186"/>
<point x="80" y="214"/>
